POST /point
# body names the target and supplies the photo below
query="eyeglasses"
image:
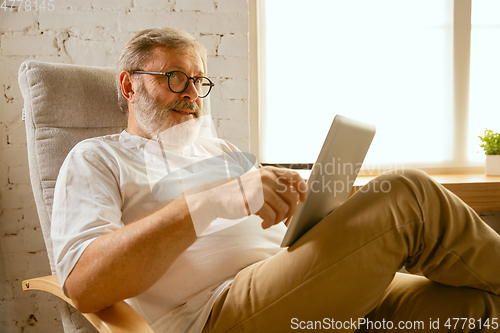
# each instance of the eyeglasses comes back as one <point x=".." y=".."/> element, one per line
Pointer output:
<point x="179" y="81"/>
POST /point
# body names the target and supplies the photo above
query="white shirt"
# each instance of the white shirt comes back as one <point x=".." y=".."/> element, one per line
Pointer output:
<point x="104" y="185"/>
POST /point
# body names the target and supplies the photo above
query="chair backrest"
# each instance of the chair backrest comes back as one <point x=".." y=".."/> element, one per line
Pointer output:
<point x="63" y="105"/>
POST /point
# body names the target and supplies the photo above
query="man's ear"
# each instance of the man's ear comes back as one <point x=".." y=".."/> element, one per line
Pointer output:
<point x="127" y="86"/>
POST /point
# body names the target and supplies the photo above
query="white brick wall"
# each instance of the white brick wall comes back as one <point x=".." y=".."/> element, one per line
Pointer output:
<point x="91" y="32"/>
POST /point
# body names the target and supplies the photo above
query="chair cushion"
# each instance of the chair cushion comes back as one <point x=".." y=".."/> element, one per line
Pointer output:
<point x="63" y="104"/>
<point x="63" y="95"/>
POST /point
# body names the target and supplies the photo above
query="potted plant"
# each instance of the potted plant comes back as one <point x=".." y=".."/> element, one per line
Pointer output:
<point x="491" y="146"/>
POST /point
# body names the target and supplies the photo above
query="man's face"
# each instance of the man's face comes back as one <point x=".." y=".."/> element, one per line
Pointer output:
<point x="161" y="113"/>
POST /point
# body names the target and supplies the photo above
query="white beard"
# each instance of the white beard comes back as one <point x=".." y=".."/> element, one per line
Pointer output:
<point x="180" y="135"/>
<point x="154" y="119"/>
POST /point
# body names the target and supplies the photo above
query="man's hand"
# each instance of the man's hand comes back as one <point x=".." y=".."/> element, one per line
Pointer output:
<point x="271" y="193"/>
<point x="283" y="189"/>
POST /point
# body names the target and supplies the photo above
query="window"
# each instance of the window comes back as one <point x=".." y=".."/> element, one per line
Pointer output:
<point x="400" y="65"/>
<point x="485" y="73"/>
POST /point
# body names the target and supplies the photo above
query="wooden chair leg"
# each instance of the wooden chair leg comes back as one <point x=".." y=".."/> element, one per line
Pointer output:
<point x="119" y="318"/>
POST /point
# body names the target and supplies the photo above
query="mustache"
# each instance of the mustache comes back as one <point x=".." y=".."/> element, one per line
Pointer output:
<point x="184" y="104"/>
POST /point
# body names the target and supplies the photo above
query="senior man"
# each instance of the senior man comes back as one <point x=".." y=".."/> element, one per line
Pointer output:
<point x="197" y="260"/>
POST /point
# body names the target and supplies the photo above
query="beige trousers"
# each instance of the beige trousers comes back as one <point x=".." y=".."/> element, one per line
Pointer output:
<point x="341" y="274"/>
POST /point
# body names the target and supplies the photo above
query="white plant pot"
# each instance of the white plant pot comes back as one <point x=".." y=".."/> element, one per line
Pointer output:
<point x="493" y="165"/>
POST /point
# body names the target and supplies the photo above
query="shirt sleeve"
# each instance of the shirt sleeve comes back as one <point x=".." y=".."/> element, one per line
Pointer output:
<point x="247" y="161"/>
<point x="87" y="204"/>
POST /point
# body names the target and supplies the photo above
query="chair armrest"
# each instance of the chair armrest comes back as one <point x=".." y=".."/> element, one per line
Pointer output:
<point x="119" y="318"/>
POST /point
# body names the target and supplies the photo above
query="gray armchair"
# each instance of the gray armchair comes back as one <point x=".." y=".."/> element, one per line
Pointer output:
<point x="63" y="105"/>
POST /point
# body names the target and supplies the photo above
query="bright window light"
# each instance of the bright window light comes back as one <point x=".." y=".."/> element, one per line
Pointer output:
<point x="384" y="62"/>
<point x="485" y="74"/>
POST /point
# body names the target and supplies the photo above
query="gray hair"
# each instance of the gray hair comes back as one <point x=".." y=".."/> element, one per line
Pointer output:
<point x="138" y="51"/>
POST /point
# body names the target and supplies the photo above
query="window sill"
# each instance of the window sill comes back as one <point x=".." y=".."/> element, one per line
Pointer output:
<point x="479" y="191"/>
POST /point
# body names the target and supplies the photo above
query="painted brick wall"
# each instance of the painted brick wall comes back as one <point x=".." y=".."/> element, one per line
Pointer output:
<point x="91" y="32"/>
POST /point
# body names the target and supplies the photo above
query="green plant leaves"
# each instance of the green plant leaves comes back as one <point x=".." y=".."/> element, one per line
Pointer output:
<point x="491" y="142"/>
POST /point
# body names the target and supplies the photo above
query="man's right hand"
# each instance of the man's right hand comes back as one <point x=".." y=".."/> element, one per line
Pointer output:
<point x="271" y="193"/>
<point x="283" y="189"/>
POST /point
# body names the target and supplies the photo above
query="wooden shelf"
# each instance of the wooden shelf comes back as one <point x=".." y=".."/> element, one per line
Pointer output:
<point x="479" y="191"/>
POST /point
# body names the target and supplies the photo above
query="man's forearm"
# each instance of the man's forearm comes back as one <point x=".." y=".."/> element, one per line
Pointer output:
<point x="128" y="261"/>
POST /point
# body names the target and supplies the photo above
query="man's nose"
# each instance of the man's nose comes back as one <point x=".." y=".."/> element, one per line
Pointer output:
<point x="191" y="92"/>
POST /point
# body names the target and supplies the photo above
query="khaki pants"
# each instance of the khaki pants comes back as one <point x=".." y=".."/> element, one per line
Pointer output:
<point x="343" y="269"/>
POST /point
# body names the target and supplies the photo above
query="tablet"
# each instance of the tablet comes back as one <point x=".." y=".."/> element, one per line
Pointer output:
<point x="333" y="174"/>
